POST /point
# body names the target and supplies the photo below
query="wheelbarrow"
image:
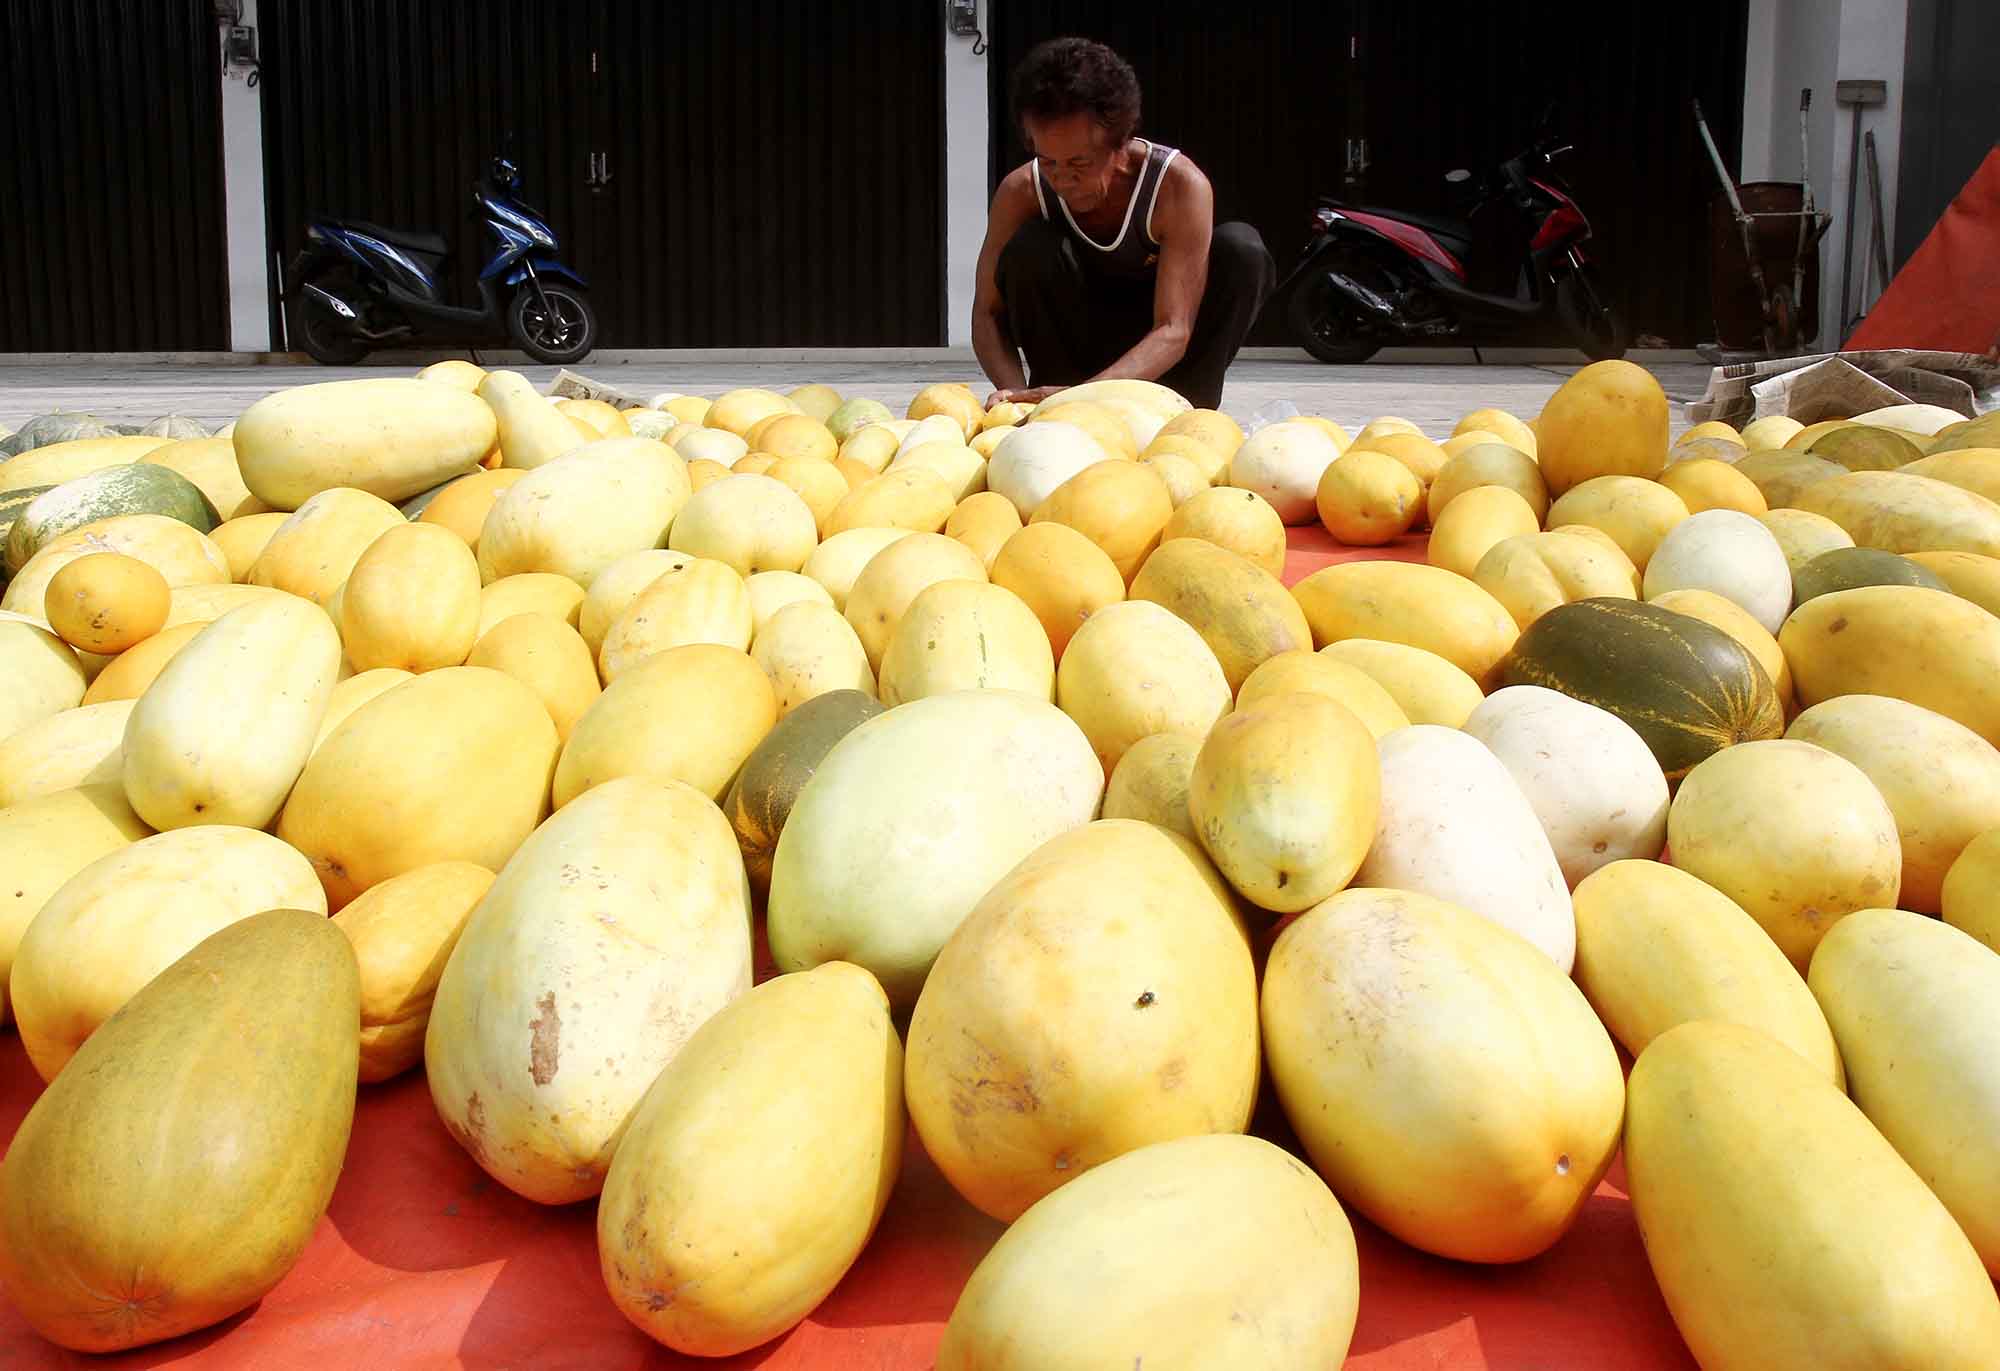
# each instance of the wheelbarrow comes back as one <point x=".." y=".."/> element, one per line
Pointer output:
<point x="1769" y="294"/>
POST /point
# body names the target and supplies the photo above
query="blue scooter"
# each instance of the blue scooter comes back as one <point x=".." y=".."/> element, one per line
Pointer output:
<point x="356" y="286"/>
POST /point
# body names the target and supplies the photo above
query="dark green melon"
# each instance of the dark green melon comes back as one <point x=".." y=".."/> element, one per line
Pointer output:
<point x="1847" y="568"/>
<point x="131" y="488"/>
<point x="1689" y="689"/>
<point x="765" y="789"/>
<point x="12" y="502"/>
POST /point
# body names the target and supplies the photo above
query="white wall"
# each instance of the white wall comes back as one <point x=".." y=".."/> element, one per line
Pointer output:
<point x="1799" y="43"/>
<point x="1872" y="37"/>
<point x="243" y="208"/>
<point x="965" y="195"/>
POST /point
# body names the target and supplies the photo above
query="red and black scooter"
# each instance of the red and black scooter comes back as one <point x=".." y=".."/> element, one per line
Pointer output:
<point x="1506" y="270"/>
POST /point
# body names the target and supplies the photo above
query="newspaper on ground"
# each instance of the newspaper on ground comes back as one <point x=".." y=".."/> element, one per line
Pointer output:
<point x="572" y="385"/>
<point x="1837" y="385"/>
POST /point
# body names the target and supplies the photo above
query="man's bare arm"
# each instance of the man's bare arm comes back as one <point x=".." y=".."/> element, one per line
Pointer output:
<point x="1184" y="220"/>
<point x="992" y="342"/>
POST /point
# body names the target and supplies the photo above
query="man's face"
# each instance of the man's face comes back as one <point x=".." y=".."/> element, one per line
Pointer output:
<point x="1076" y="154"/>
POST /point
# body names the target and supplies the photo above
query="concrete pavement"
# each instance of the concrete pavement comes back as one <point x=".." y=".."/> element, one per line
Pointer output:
<point x="1430" y="394"/>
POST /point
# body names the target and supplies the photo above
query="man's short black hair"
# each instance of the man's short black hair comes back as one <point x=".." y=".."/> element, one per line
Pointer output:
<point x="1065" y="76"/>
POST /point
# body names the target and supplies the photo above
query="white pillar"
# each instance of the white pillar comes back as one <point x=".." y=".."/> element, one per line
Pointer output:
<point x="965" y="161"/>
<point x="1760" y="75"/>
<point x="1873" y="34"/>
<point x="243" y="207"/>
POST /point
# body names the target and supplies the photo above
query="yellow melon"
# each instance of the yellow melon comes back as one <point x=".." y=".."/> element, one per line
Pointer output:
<point x="1610" y="419"/>
<point x="403" y="932"/>
<point x="1240" y="520"/>
<point x="1367" y="498"/>
<point x="106" y="602"/>
<point x="1021" y="979"/>
<point x="895" y="576"/>
<point x="697" y="602"/>
<point x="638" y="726"/>
<point x="1709" y="483"/>
<point x="1061" y="575"/>
<point x="412" y="601"/>
<point x="1132" y="670"/>
<point x="452" y="765"/>
<point x="984" y="522"/>
<point x="549" y="657"/>
<point x="244" y="538"/>
<point x="463" y="505"/>
<point x="1120" y="506"/>
<point x="807" y="650"/>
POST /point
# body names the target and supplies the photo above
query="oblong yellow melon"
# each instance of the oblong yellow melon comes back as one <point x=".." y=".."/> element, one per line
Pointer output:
<point x="1426" y="687"/>
<point x="1911" y="1001"/>
<point x="130" y="915"/>
<point x="1797" y="835"/>
<point x="577" y="515"/>
<point x="393" y="437"/>
<point x="1021" y="979"/>
<point x="698" y="601"/>
<point x="1657" y="948"/>
<point x="564" y="998"/>
<point x="187" y="1160"/>
<point x="453" y="765"/>
<point x="1284" y="798"/>
<point x="966" y="635"/>
<point x="808" y="1062"/>
<point x="313" y="552"/>
<point x="1419" y="606"/>
<point x="1135" y="669"/>
<point x="403" y="931"/>
<point x="749" y="523"/>
<point x="1446" y="1078"/>
<point x="412" y="601"/>
<point x="689" y="714"/>
<point x="550" y="658"/>
<point x="1911" y="643"/>
<point x="81" y="746"/>
<point x="222" y="733"/>
<point x="45" y="841"/>
<point x="1784" y="1232"/>
<point x="1941" y="780"/>
<point x="1241" y="611"/>
<point x="855" y="880"/>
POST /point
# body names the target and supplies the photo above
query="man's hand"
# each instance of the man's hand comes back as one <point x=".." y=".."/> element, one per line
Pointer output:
<point x="1032" y="396"/>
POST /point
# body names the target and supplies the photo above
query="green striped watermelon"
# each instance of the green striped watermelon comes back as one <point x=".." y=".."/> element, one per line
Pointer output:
<point x="1687" y="688"/>
<point x="132" y="488"/>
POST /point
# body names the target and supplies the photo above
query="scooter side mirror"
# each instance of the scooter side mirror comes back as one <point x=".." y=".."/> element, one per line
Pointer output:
<point x="1458" y="175"/>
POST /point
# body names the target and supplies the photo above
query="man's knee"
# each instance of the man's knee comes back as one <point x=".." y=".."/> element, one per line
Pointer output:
<point x="1033" y="254"/>
<point x="1236" y="251"/>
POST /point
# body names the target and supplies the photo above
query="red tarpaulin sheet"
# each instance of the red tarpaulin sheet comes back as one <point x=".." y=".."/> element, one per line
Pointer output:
<point x="1947" y="296"/>
<point x="424" y="1262"/>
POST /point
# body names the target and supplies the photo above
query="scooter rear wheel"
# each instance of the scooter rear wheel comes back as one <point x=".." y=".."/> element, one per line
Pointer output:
<point x="315" y="332"/>
<point x="1592" y="323"/>
<point x="1323" y="327"/>
<point x="565" y="332"/>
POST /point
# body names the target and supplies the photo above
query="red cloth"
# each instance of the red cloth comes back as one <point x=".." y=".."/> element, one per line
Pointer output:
<point x="1947" y="296"/>
<point x="424" y="1262"/>
<point x="1312" y="548"/>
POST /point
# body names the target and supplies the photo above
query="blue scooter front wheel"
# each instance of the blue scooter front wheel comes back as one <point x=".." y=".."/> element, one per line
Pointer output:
<point x="555" y="325"/>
